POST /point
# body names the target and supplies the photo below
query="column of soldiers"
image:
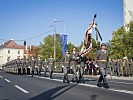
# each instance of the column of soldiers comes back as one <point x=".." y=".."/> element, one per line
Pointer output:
<point x="74" y="61"/>
<point x="120" y="67"/>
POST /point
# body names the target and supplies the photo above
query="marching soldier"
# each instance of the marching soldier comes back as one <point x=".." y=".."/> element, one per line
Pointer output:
<point x="74" y="57"/>
<point x="18" y="66"/>
<point x="32" y="65"/>
<point x="45" y="67"/>
<point x="102" y="60"/>
<point x="39" y="65"/>
<point x="66" y="66"/>
<point x="83" y="60"/>
<point x="50" y="65"/>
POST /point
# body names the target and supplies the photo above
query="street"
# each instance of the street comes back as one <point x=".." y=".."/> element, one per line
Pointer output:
<point x="25" y="87"/>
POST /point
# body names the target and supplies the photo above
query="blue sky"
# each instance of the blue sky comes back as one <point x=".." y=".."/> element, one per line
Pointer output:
<point x="23" y="19"/>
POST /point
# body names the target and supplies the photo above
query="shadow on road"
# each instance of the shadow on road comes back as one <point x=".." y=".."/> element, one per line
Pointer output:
<point x="93" y="97"/>
<point x="53" y="93"/>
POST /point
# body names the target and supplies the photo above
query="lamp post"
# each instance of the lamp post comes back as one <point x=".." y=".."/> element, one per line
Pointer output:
<point x="56" y="21"/>
<point x="54" y="40"/>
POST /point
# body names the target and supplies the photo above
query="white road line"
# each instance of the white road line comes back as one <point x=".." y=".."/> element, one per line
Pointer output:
<point x="123" y="91"/>
<point x="1" y="76"/>
<point x="7" y="80"/>
<point x="120" y="82"/>
<point x="23" y="90"/>
<point x="89" y="85"/>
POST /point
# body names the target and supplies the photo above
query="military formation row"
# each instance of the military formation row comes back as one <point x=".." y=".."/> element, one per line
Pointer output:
<point x="120" y="67"/>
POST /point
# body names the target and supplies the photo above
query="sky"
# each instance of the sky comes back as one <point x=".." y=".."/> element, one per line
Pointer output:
<point x="30" y="20"/>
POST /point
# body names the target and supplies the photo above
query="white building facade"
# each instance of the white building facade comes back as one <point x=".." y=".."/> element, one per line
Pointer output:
<point x="127" y="11"/>
<point x="10" y="51"/>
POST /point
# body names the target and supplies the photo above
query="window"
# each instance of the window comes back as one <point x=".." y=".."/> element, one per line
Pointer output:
<point x="8" y="59"/>
<point x="18" y="51"/>
<point x="8" y="51"/>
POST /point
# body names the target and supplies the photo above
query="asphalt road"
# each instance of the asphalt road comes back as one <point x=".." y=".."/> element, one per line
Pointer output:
<point x="25" y="87"/>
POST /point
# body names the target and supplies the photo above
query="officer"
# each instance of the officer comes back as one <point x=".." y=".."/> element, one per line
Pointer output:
<point x="66" y="66"/>
<point x="74" y="57"/>
<point x="50" y="65"/>
<point x="102" y="60"/>
<point x="32" y="65"/>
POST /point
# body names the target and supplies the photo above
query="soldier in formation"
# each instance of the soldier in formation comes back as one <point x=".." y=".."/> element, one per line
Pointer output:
<point x="66" y="66"/>
<point x="50" y="63"/>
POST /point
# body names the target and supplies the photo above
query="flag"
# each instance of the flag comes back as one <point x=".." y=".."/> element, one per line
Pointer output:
<point x="64" y="43"/>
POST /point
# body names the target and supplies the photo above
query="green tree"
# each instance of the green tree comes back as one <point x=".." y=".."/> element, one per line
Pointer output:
<point x="121" y="43"/>
<point x="47" y="47"/>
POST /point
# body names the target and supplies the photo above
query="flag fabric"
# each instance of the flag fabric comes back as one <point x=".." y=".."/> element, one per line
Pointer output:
<point x="64" y="43"/>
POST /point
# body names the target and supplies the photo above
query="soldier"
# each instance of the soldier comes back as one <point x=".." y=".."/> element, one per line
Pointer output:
<point x="27" y="65"/>
<point x="50" y="63"/>
<point x="45" y="67"/>
<point x="83" y="60"/>
<point x="74" y="57"/>
<point x="125" y="66"/>
<point x="102" y="60"/>
<point x="32" y="65"/>
<point x="18" y="66"/>
<point x="66" y="66"/>
<point x="39" y="65"/>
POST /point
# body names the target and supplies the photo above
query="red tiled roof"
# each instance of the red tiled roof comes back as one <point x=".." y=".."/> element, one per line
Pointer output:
<point x="11" y="44"/>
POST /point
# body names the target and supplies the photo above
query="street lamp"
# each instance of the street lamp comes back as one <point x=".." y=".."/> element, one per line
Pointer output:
<point x="56" y="21"/>
<point x="54" y="40"/>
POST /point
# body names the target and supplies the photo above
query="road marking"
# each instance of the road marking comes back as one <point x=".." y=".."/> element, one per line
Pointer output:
<point x="89" y="85"/>
<point x="7" y="80"/>
<point x="23" y="90"/>
<point x="1" y="76"/>
<point x="123" y="91"/>
<point x="120" y="82"/>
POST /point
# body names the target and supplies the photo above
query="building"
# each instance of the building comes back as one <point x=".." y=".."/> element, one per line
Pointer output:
<point x="127" y="11"/>
<point x="10" y="51"/>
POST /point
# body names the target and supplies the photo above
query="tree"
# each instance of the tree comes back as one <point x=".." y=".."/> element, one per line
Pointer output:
<point x="47" y="47"/>
<point x="121" y="43"/>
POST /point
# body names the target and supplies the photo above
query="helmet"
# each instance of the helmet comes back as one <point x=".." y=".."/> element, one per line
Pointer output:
<point x="103" y="44"/>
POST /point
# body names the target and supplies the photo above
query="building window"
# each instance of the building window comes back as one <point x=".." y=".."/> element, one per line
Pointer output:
<point x="18" y="51"/>
<point x="8" y="59"/>
<point x="8" y="51"/>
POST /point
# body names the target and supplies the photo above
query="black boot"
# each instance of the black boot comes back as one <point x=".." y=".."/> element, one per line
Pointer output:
<point x="105" y="84"/>
<point x="99" y="84"/>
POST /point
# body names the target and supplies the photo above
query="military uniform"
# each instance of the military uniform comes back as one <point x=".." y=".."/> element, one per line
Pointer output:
<point x="32" y="65"/>
<point x="81" y="68"/>
<point x="45" y="67"/>
<point x="74" y="57"/>
<point x="39" y="65"/>
<point x="102" y="61"/>
<point x="50" y="63"/>
<point x="66" y="66"/>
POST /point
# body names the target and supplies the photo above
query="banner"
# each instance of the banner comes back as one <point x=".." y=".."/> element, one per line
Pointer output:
<point x="64" y="43"/>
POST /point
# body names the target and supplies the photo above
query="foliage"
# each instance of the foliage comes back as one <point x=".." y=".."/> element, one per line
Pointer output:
<point x="47" y="47"/>
<point x="121" y="44"/>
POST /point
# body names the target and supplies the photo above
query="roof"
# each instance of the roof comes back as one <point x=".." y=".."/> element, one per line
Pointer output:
<point x="11" y="44"/>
